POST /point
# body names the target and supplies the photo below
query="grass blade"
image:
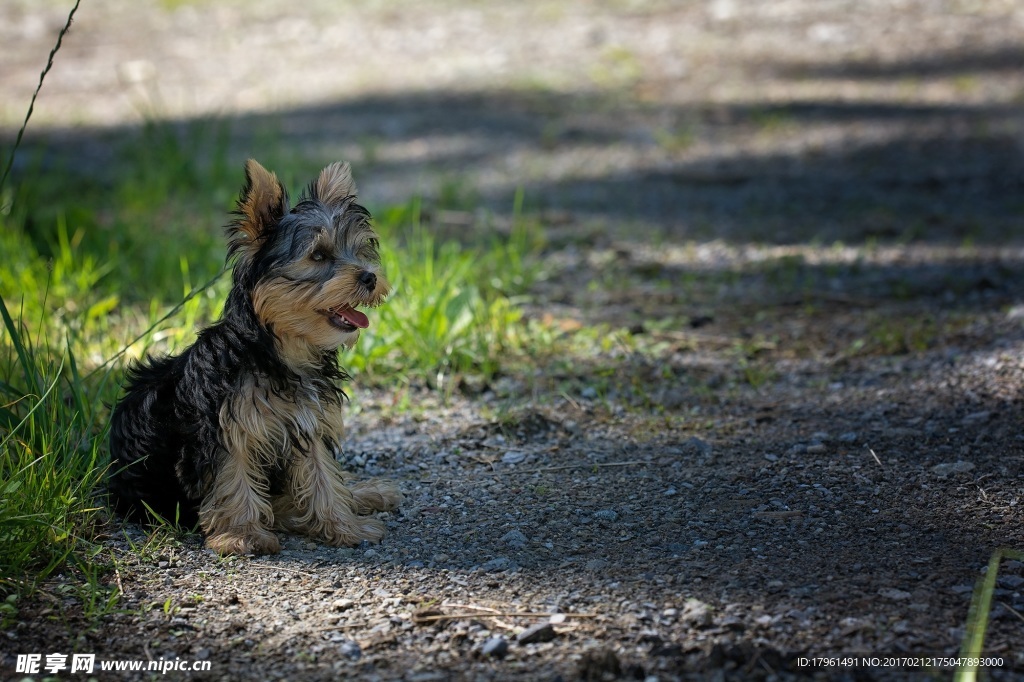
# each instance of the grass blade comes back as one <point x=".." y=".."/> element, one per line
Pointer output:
<point x="977" y="615"/>
<point x="19" y="348"/>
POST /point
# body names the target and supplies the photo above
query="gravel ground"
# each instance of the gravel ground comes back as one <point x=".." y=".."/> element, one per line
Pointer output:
<point x="799" y="225"/>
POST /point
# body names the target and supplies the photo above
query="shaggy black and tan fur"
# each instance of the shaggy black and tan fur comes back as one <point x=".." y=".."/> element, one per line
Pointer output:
<point x="240" y="432"/>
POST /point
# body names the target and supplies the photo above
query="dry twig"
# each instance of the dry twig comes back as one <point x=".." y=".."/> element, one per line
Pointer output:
<point x="604" y="465"/>
<point x="433" y="617"/>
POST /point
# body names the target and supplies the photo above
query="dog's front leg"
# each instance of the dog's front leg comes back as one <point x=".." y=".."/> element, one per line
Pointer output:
<point x="236" y="514"/>
<point x="322" y="505"/>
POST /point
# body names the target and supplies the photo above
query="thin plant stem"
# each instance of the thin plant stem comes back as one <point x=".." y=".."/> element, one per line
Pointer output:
<point x="32" y="104"/>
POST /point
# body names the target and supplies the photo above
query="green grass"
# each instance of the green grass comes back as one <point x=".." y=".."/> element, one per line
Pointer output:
<point x="50" y="457"/>
<point x="88" y="282"/>
<point x="447" y="314"/>
<point x="972" y="647"/>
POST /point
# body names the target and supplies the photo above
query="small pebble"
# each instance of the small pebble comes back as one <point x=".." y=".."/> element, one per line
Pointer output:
<point x="495" y="647"/>
<point x="894" y="594"/>
<point x="542" y="632"/>
<point x="496" y="565"/>
<point x="947" y="468"/>
<point x="350" y="650"/>
<point x="673" y="398"/>
<point x="342" y="604"/>
<point x="696" y="613"/>
<point x="513" y="457"/>
<point x="514" y="538"/>
<point x="606" y="515"/>
<point x="429" y="676"/>
<point x="976" y="418"/>
<point x="698" y="446"/>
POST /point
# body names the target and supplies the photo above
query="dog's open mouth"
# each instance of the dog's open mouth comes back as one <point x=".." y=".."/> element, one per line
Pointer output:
<point x="346" y="318"/>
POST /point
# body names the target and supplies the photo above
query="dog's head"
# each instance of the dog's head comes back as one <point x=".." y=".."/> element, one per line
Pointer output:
<point x="307" y="269"/>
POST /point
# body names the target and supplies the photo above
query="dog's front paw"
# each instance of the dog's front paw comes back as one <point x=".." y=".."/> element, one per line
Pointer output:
<point x="255" y="541"/>
<point x="353" y="530"/>
<point x="375" y="495"/>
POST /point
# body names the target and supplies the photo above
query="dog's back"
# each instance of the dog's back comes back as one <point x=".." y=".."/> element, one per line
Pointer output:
<point x="145" y="435"/>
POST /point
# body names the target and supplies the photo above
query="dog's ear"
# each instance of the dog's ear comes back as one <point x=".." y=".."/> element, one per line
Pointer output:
<point x="334" y="185"/>
<point x="261" y="205"/>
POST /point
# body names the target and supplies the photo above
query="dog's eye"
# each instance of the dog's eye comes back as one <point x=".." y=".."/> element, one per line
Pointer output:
<point x="319" y="255"/>
<point x="368" y="250"/>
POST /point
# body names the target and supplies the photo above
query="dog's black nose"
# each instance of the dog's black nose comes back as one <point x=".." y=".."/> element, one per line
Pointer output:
<point x="368" y="280"/>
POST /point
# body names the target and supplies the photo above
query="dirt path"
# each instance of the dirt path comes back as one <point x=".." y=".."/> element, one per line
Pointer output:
<point x="801" y="222"/>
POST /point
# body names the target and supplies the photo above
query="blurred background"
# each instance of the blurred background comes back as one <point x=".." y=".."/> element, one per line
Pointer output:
<point x="643" y="159"/>
<point x="769" y="120"/>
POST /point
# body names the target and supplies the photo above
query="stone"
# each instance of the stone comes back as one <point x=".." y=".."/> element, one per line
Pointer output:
<point x="495" y="647"/>
<point x="542" y="632"/>
<point x="513" y="457"/>
<point x="515" y="538"/>
<point x="496" y="565"/>
<point x="350" y="650"/>
<point x="894" y="594"/>
<point x="695" y="613"/>
<point x="342" y="604"/>
<point x="945" y="469"/>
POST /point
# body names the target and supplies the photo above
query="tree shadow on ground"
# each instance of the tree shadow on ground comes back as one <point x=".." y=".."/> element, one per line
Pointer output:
<point x="995" y="59"/>
<point x="768" y="172"/>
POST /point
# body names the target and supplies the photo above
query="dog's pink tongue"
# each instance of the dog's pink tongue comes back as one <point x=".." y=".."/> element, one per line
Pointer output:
<point x="354" y="317"/>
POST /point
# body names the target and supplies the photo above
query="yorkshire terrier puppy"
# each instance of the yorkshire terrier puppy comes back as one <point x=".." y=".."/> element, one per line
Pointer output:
<point x="240" y="432"/>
